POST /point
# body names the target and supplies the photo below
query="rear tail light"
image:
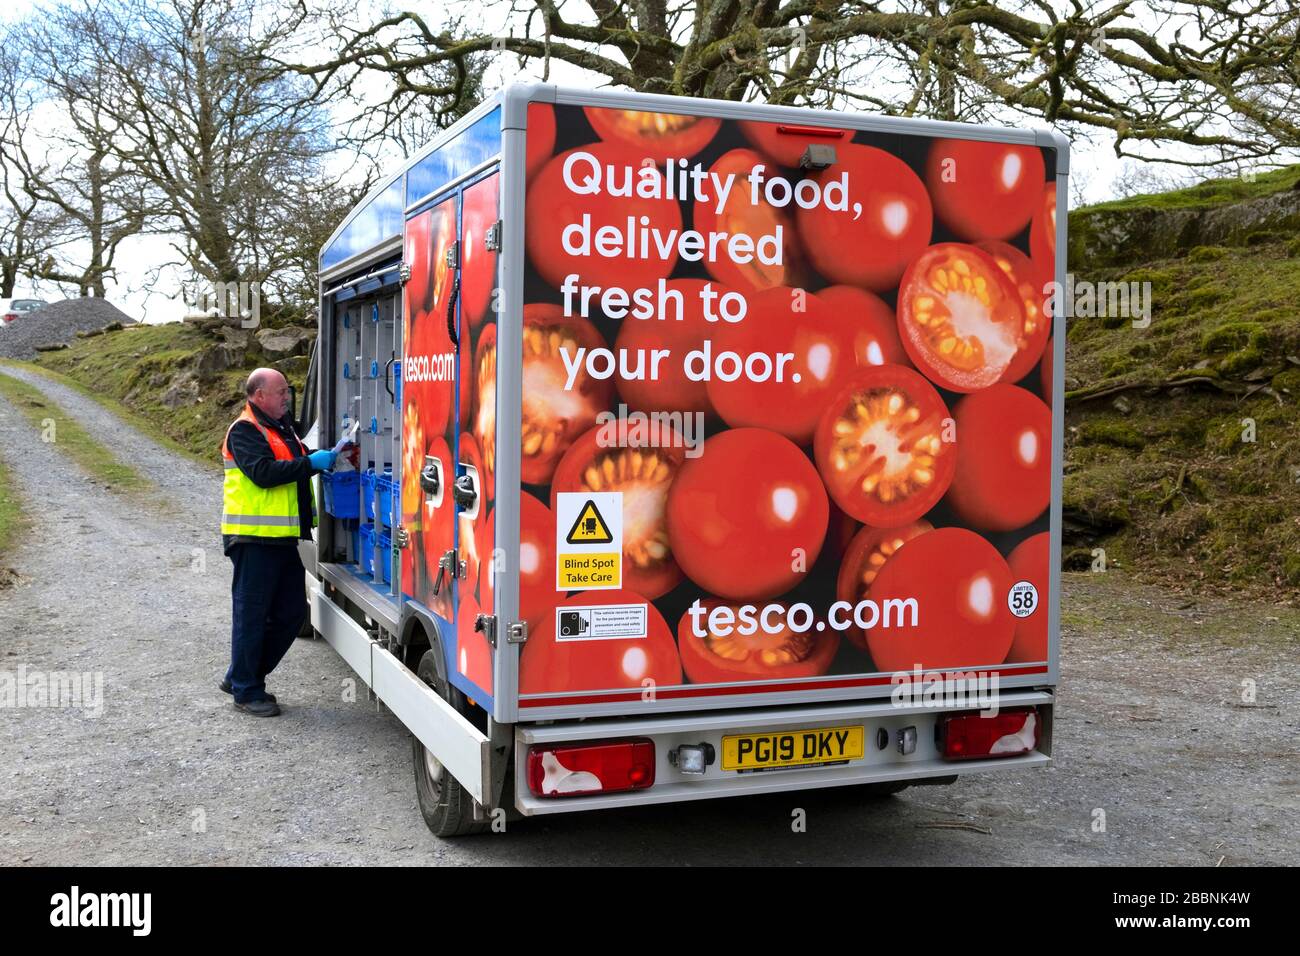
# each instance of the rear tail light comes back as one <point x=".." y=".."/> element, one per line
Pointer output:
<point x="572" y="770"/>
<point x="10" y="316"/>
<point x="1010" y="733"/>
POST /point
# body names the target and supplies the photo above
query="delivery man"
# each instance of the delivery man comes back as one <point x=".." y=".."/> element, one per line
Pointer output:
<point x="267" y="509"/>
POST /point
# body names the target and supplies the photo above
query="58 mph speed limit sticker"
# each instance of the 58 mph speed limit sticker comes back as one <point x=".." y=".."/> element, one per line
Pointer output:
<point x="1022" y="598"/>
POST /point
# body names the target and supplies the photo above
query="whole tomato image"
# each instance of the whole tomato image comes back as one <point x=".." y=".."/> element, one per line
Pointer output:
<point x="741" y="513"/>
<point x="750" y="644"/>
<point x="881" y="448"/>
<point x="537" y="594"/>
<point x="1036" y="325"/>
<point x="412" y="495"/>
<point x="465" y="390"/>
<point x="670" y="390"/>
<point x="984" y="190"/>
<point x="866" y="555"/>
<point x="413" y="245"/>
<point x="473" y="653"/>
<point x="438" y="520"/>
<point x="550" y="665"/>
<point x="784" y="145"/>
<point x="1042" y="232"/>
<point x="1003" y="479"/>
<point x="780" y="321"/>
<point x="483" y="418"/>
<point x="1045" y="372"/>
<point x="467" y="545"/>
<point x="478" y="264"/>
<point x="960" y="316"/>
<point x="887" y="223"/>
<point x="663" y="134"/>
<point x="442" y="233"/>
<point x="739" y="215"/>
<point x="875" y="328"/>
<point x="553" y="414"/>
<point x="643" y="476"/>
<point x="540" y="138"/>
<point x="840" y="529"/>
<point x="1032" y="561"/>
<point x="552" y="208"/>
<point x="958" y="584"/>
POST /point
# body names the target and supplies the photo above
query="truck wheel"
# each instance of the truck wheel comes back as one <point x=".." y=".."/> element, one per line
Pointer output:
<point x="448" y="810"/>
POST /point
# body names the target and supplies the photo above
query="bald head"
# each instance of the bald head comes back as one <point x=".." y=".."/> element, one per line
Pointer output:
<point x="268" y="390"/>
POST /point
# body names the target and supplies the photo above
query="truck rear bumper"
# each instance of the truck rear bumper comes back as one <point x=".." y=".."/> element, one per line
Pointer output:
<point x="877" y="765"/>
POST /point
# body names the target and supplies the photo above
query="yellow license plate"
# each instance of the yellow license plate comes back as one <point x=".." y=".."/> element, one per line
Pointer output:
<point x="792" y="748"/>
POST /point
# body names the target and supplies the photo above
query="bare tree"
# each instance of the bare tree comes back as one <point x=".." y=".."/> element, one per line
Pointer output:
<point x="1219" y="75"/>
<point x="230" y="147"/>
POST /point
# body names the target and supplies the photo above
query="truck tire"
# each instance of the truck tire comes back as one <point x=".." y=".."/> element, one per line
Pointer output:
<point x="448" y="810"/>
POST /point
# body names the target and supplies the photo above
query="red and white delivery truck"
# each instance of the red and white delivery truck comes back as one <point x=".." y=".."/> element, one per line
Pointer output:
<point x="704" y="449"/>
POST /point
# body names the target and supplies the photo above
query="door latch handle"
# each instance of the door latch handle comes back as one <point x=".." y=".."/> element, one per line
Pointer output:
<point x="464" y="492"/>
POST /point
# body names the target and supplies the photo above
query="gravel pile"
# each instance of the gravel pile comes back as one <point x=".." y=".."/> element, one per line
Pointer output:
<point x="57" y="322"/>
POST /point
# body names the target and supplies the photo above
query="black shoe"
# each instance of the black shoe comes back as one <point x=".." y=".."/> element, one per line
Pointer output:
<point x="225" y="688"/>
<point x="259" y="708"/>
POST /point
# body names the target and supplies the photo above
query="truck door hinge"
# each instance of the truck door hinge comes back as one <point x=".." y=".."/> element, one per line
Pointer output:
<point x="403" y="537"/>
<point x="453" y="255"/>
<point x="487" y="623"/>
<point x="517" y="633"/>
<point x="492" y="238"/>
<point x="404" y="274"/>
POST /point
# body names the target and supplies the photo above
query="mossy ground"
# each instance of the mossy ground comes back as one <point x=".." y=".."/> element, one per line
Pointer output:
<point x="1213" y="192"/>
<point x="1197" y="483"/>
<point x="11" y="515"/>
<point x="133" y="368"/>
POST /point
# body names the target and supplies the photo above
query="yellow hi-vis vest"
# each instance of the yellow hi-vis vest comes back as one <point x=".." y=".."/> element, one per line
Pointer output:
<point x="253" y="511"/>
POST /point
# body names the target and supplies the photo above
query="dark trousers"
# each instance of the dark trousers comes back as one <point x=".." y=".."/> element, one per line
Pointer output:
<point x="269" y="604"/>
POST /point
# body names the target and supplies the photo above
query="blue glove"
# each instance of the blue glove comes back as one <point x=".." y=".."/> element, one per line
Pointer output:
<point x="322" y="460"/>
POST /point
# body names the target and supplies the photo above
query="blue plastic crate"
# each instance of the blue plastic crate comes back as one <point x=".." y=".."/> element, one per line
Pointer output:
<point x="367" y="550"/>
<point x="389" y="491"/>
<point x="341" y="491"/>
<point x="368" y="492"/>
<point x="386" y="556"/>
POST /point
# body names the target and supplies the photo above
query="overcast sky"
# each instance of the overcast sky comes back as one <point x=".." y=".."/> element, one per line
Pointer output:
<point x="1094" y="170"/>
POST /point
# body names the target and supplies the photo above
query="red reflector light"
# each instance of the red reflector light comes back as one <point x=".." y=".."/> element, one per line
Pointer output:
<point x="969" y="736"/>
<point x="826" y="131"/>
<point x="572" y="770"/>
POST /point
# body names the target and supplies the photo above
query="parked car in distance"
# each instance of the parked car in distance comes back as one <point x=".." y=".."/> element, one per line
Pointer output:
<point x="11" y="309"/>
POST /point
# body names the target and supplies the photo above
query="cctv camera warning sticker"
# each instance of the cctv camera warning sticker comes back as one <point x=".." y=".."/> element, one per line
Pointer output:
<point x="588" y="541"/>
<point x="600" y="622"/>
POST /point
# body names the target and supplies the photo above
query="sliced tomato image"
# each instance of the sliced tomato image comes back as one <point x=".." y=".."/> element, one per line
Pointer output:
<point x="960" y="317"/>
<point x="670" y="390"/>
<point x="537" y="594"/>
<point x="1032" y="561"/>
<point x="958" y="584"/>
<point x="473" y="653"/>
<point x="1036" y="324"/>
<point x="739" y="215"/>
<point x="868" y="246"/>
<point x="540" y="138"/>
<point x="1042" y="232"/>
<point x="483" y="418"/>
<point x="643" y="476"/>
<point x="465" y="396"/>
<point x="984" y="190"/>
<point x="784" y="144"/>
<point x="552" y="208"/>
<point x="751" y="644"/>
<point x="553" y="415"/>
<point x="665" y="134"/>
<point x="412" y="495"/>
<point x="875" y="328"/>
<point x="881" y="449"/>
<point x="550" y="664"/>
<point x="780" y="321"/>
<point x="1003" y="478"/>
<point x="743" y="511"/>
<point x="866" y="555"/>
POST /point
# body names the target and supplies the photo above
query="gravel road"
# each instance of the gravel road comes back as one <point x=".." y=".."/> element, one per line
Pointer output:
<point x="1151" y="729"/>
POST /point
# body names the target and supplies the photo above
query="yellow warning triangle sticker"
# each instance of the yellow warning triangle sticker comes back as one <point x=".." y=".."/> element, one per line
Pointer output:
<point x="590" y="527"/>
